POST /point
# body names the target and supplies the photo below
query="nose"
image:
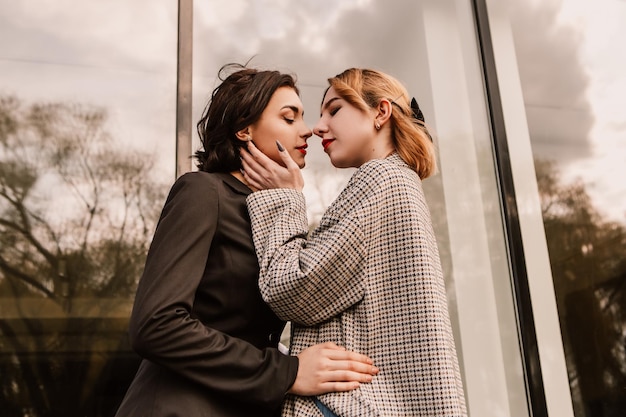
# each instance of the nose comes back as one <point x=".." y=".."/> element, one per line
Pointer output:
<point x="306" y="133"/>
<point x="320" y="128"/>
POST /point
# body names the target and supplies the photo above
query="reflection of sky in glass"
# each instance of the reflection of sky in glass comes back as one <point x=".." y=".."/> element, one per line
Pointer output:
<point x="315" y="40"/>
<point x="121" y="55"/>
<point x="602" y="54"/>
<point x="117" y="55"/>
<point x="573" y="69"/>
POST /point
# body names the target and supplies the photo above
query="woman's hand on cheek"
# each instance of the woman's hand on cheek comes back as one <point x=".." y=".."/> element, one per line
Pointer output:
<point x="263" y="173"/>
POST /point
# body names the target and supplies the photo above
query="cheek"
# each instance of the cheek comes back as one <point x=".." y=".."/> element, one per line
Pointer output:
<point x="268" y="148"/>
<point x="344" y="130"/>
<point x="346" y="135"/>
<point x="273" y="155"/>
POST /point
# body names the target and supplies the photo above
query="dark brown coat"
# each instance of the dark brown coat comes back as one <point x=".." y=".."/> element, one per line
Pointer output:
<point x="207" y="338"/>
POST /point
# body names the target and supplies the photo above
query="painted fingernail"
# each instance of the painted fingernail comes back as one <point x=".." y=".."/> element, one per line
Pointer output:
<point x="280" y="147"/>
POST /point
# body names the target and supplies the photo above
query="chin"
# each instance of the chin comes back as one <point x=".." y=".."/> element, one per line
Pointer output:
<point x="300" y="161"/>
<point x="338" y="163"/>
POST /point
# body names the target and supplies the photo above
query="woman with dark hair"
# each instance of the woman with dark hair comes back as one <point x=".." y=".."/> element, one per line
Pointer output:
<point x="208" y="341"/>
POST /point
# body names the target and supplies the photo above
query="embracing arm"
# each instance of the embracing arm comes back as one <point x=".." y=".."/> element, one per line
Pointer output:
<point x="162" y="328"/>
<point x="305" y="279"/>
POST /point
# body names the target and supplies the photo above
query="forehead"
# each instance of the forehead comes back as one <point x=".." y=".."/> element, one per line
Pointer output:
<point x="285" y="96"/>
<point x="330" y="95"/>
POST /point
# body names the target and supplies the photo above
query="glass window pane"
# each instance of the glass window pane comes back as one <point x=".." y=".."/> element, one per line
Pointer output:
<point x="573" y="87"/>
<point x="87" y="137"/>
<point x="430" y="46"/>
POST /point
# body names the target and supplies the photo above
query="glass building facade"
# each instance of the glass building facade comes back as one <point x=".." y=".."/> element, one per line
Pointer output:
<point x="98" y="104"/>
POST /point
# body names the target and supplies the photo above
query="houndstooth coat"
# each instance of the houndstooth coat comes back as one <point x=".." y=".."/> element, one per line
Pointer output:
<point x="368" y="278"/>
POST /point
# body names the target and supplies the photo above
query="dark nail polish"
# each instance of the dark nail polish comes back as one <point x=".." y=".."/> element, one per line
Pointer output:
<point x="280" y="147"/>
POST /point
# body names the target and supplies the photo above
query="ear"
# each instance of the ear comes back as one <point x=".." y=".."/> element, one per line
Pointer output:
<point x="383" y="111"/>
<point x="244" y="134"/>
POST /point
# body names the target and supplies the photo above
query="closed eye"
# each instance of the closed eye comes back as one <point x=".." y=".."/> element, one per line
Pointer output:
<point x="334" y="110"/>
<point x="288" y="120"/>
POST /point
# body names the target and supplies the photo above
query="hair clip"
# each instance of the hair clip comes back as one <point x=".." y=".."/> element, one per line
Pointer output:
<point x="417" y="113"/>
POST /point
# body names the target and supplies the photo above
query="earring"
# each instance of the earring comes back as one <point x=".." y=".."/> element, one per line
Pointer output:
<point x="377" y="125"/>
<point x="248" y="138"/>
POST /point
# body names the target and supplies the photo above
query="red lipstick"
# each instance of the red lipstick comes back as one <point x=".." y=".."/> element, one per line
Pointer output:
<point x="302" y="148"/>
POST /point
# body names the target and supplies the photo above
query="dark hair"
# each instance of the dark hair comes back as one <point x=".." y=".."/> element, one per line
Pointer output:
<point x="236" y="103"/>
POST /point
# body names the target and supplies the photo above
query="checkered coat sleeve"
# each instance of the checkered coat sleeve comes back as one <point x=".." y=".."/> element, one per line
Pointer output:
<point x="368" y="278"/>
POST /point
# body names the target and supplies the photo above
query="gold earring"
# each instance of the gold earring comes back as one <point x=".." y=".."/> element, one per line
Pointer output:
<point x="377" y="125"/>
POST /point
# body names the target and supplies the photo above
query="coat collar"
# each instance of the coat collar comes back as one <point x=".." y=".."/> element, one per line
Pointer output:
<point x="236" y="185"/>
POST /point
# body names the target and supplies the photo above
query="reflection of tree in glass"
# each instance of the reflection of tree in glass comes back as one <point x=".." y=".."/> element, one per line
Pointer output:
<point x="76" y="216"/>
<point x="589" y="272"/>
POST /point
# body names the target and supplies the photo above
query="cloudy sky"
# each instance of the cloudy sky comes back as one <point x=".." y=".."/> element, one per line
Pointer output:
<point x="572" y="69"/>
<point x="122" y="55"/>
<point x="107" y="54"/>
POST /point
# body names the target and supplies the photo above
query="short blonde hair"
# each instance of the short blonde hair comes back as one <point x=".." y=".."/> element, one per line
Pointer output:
<point x="365" y="89"/>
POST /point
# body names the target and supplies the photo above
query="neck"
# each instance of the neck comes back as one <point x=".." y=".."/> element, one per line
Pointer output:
<point x="241" y="178"/>
<point x="383" y="149"/>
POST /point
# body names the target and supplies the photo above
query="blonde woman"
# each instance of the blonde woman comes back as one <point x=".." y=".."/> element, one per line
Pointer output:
<point x="369" y="277"/>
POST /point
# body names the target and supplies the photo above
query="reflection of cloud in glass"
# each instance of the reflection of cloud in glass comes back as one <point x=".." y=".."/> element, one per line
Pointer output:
<point x="117" y="55"/>
<point x="575" y="90"/>
<point x="108" y="34"/>
<point x="245" y="27"/>
<point x="557" y="106"/>
<point x="315" y="39"/>
<point x="310" y="37"/>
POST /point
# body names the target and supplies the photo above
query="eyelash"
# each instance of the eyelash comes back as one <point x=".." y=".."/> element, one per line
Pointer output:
<point x="290" y="121"/>
<point x="334" y="111"/>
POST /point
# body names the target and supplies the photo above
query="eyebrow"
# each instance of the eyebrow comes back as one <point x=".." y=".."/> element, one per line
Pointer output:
<point x="292" y="107"/>
<point x="328" y="103"/>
